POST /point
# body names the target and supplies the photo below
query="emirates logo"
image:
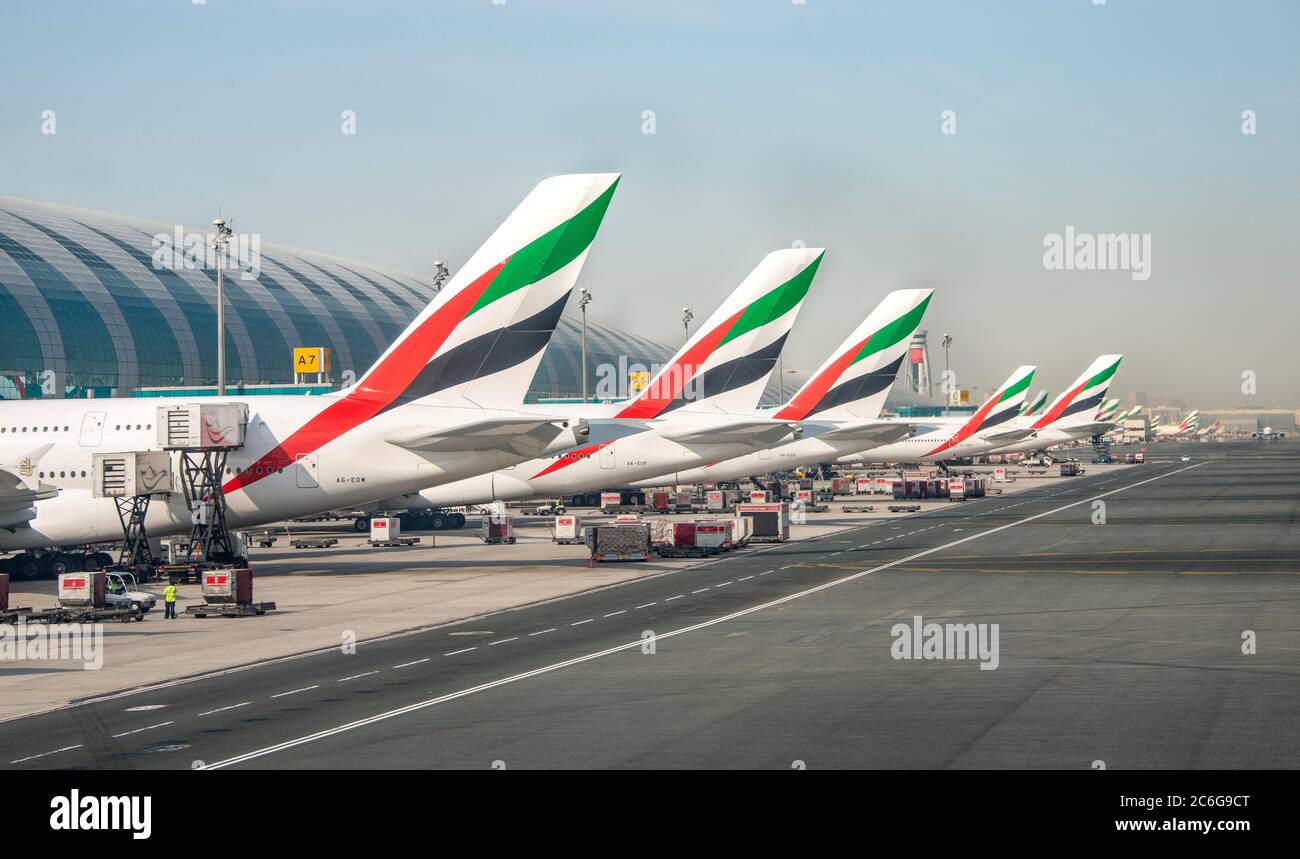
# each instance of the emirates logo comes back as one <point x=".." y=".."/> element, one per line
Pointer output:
<point x="26" y="467"/>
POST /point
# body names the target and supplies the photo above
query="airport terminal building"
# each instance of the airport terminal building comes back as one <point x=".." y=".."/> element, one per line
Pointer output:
<point x="87" y="310"/>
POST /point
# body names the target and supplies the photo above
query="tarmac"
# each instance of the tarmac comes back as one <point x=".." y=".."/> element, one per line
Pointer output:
<point x="1144" y="617"/>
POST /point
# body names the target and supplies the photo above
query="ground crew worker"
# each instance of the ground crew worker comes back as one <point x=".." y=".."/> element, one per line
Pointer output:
<point x="115" y="586"/>
<point x="169" y="601"/>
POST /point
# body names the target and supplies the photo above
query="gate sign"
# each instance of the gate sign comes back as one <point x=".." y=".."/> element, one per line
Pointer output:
<point x="311" y="359"/>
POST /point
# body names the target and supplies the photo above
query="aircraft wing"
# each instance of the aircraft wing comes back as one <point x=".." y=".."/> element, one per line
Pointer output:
<point x="526" y="436"/>
<point x="759" y="433"/>
<point x="874" y="433"/>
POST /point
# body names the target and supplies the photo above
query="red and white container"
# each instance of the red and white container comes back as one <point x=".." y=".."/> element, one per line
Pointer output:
<point x="88" y="590"/>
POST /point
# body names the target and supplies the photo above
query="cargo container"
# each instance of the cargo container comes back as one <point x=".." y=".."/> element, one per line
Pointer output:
<point x="760" y="496"/>
<point x="227" y="586"/>
<point x="83" y="590"/>
<point x="956" y="489"/>
<point x="619" y="542"/>
<point x="384" y="528"/>
<point x="611" y="500"/>
<point x="498" y="528"/>
<point x="712" y="534"/>
<point x="1069" y="469"/>
<point x="1000" y="475"/>
<point x="770" y="521"/>
<point x="568" y="529"/>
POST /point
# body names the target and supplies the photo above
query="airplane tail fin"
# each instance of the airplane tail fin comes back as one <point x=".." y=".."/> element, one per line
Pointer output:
<point x="1080" y="401"/>
<point x="725" y="365"/>
<point x="1002" y="406"/>
<point x="1107" y="410"/>
<point x="856" y="378"/>
<point x="1193" y="419"/>
<point x="482" y="337"/>
<point x="1032" y="406"/>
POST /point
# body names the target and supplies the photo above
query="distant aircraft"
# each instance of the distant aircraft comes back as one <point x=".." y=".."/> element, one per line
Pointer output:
<point x="1188" y="427"/>
<point x="1072" y="415"/>
<point x="1266" y="434"/>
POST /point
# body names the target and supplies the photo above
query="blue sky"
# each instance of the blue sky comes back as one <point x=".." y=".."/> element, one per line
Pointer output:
<point x="776" y="122"/>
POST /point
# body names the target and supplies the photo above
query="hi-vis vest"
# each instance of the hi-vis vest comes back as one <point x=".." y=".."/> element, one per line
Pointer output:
<point x="169" y="593"/>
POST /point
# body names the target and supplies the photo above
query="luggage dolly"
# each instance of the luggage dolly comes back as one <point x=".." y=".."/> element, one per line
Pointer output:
<point x="229" y="609"/>
<point x="904" y="508"/>
<point x="858" y="508"/>
<point x="314" y="542"/>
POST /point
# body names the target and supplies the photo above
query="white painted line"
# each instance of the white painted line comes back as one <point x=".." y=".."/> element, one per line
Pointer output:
<point x="295" y="691"/>
<point x="138" y="730"/>
<point x="455" y="652"/>
<point x="679" y="596"/>
<point x="577" y="660"/>
<point x="542" y="631"/>
<point x="744" y="578"/>
<point x="647" y="605"/>
<point x="409" y="664"/>
<point x="723" y="584"/>
<point x="614" y="613"/>
<point x="502" y="641"/>
<point x="224" y="709"/>
<point x="355" y="676"/>
<point x="767" y="573"/>
<point x="701" y="590"/>
<point x="581" y="622"/>
<point x="46" y="754"/>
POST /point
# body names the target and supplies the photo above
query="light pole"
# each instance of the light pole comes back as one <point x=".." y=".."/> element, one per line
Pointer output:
<point x="947" y="374"/>
<point x="219" y="242"/>
<point x="584" y="298"/>
<point x="687" y="316"/>
<point x="440" y="275"/>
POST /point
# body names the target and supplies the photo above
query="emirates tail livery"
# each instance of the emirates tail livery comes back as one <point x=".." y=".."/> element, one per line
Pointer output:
<point x="840" y="404"/>
<point x="698" y="408"/>
<point x="1074" y="414"/>
<point x="993" y="424"/>
<point x="442" y="403"/>
<point x="1031" y="407"/>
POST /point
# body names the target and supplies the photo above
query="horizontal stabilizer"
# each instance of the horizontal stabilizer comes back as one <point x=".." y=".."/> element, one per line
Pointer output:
<point x="870" y="432"/>
<point x="525" y="436"/>
<point x="755" y="432"/>
<point x="1007" y="436"/>
<point x="1086" y="430"/>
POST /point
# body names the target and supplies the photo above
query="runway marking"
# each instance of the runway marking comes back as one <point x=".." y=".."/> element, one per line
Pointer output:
<point x="701" y="590"/>
<point x="295" y="691"/>
<point x="541" y="632"/>
<point x="353" y="677"/>
<point x="581" y="622"/>
<point x="46" y="754"/>
<point x="744" y="578"/>
<point x="679" y="596"/>
<point x="224" y="709"/>
<point x="722" y="584"/>
<point x="458" y="652"/>
<point x="647" y="605"/>
<point x="557" y="666"/>
<point x="502" y="641"/>
<point x="409" y="664"/>
<point x="615" y="613"/>
<point x="140" y="730"/>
